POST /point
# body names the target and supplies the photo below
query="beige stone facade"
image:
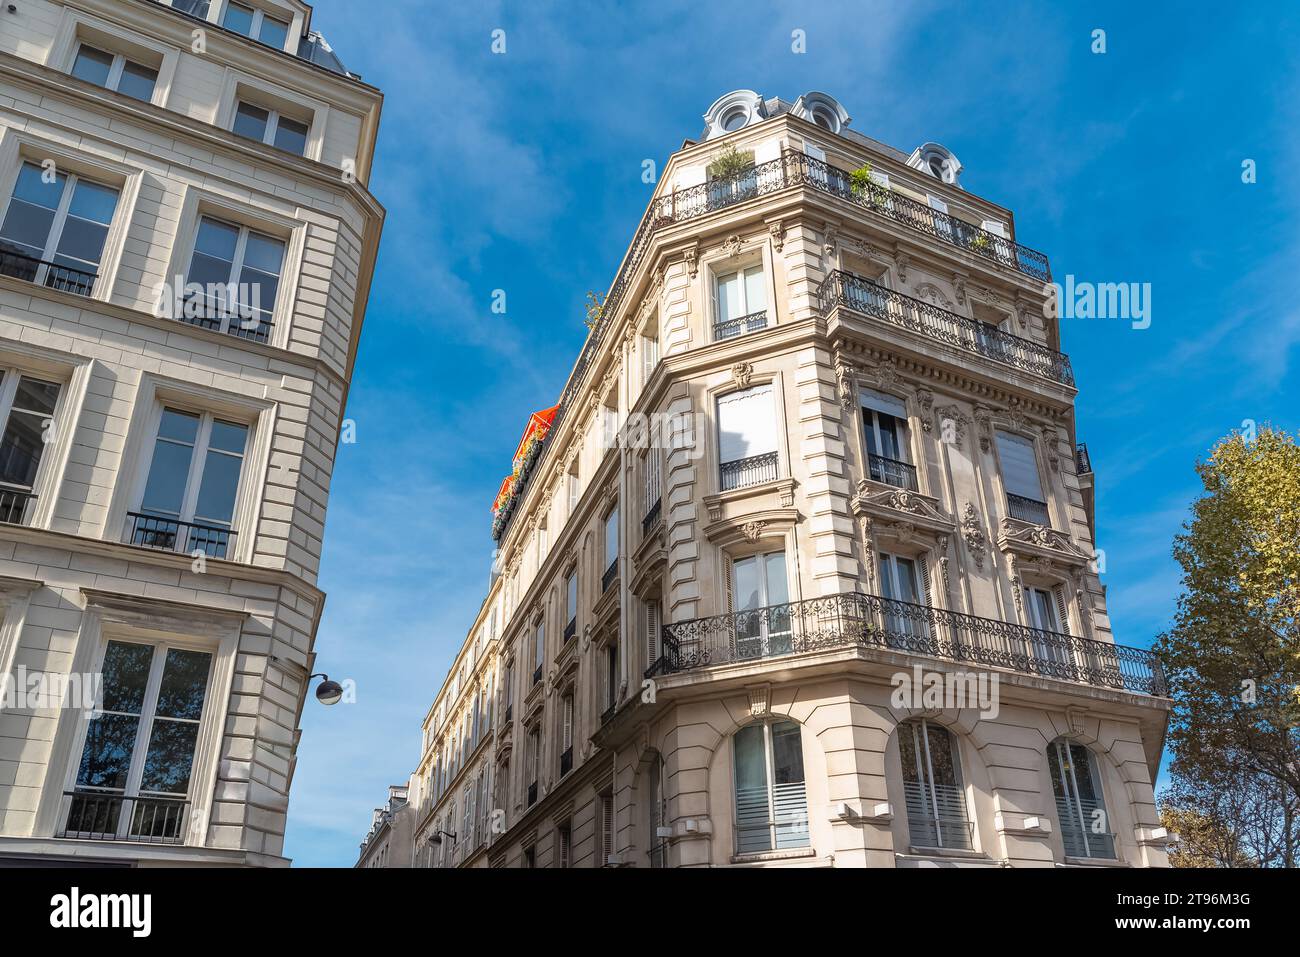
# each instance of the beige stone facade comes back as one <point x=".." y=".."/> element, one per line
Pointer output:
<point x="873" y="480"/>
<point x="167" y="534"/>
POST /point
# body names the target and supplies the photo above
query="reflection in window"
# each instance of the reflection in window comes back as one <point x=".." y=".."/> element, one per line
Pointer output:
<point x="1080" y="804"/>
<point x="27" y="410"/>
<point x="932" y="784"/>
<point x="771" y="801"/>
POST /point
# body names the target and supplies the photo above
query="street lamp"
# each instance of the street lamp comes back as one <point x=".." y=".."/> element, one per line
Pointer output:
<point x="437" y="836"/>
<point x="328" y="692"/>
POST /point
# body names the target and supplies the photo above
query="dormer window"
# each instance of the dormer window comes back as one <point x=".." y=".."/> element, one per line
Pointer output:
<point x="734" y="120"/>
<point x="114" y="72"/>
<point x="257" y="24"/>
<point x="270" y="127"/>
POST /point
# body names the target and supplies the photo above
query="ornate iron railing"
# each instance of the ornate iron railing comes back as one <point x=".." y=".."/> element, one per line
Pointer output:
<point x="1082" y="461"/>
<point x="870" y="298"/>
<point x="1027" y="509"/>
<point x="745" y="472"/>
<point x="857" y="619"/>
<point x="651" y="517"/>
<point x="97" y="816"/>
<point x="791" y="169"/>
<point x="171" y="535"/>
<point x="212" y="312"/>
<point x="14" y="505"/>
<point x="52" y="275"/>
<point x="731" y="328"/>
<point x="892" y="471"/>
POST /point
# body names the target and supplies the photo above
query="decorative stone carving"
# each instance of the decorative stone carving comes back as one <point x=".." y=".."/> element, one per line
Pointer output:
<point x="829" y="241"/>
<point x="777" y="231"/>
<point x="984" y="426"/>
<point x="973" y="534"/>
<point x="886" y="372"/>
<point x="926" y="399"/>
<point x="931" y="293"/>
<point x="868" y="550"/>
<point x="952" y="424"/>
<point x="1041" y="543"/>
<point x="901" y="261"/>
<point x="741" y="373"/>
<point x="943" y="569"/>
<point x="731" y="246"/>
<point x="1017" y="586"/>
<point x="844" y="381"/>
<point x="1050" y="438"/>
<point x="692" y="257"/>
<point x="1076" y="717"/>
<point x="959" y="286"/>
<point x="752" y="531"/>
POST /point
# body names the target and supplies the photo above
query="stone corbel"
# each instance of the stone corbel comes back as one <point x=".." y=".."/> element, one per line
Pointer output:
<point x="844" y="373"/>
<point x="925" y="398"/>
<point x="973" y="534"/>
<point x="741" y="373"/>
<point x="760" y="697"/>
<point x="901" y="261"/>
<point x="830" y="240"/>
<point x="777" y="231"/>
<point x="959" y="287"/>
<point x="691" y="256"/>
<point x="951" y="414"/>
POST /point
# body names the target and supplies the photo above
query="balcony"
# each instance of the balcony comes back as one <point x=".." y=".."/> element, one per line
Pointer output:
<point x="731" y="328"/>
<point x="1082" y="461"/>
<point x="219" y="315"/>
<point x="870" y="621"/>
<point x="980" y="338"/>
<point x="745" y="472"/>
<point x="48" y="274"/>
<point x="892" y="472"/>
<point x="611" y="573"/>
<point x="1027" y="509"/>
<point x="651" y="517"/>
<point x="97" y="816"/>
<point x="170" y="535"/>
<point x="15" y="506"/>
<point x="566" y="761"/>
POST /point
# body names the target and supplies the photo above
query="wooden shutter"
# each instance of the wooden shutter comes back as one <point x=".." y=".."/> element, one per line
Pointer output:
<point x="568" y="722"/>
<point x="651" y="633"/>
<point x="1062" y="610"/>
<point x="606" y="828"/>
<point x="995" y="226"/>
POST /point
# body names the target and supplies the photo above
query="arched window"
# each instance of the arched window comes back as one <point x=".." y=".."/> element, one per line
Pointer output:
<point x="771" y="801"/>
<point x="1080" y="804"/>
<point x="656" y="812"/>
<point x="932" y="783"/>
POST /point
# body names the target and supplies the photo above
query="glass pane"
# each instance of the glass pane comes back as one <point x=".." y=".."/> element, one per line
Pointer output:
<point x="729" y="297"/>
<point x="184" y="680"/>
<point x="774" y="568"/>
<point x="106" y="758"/>
<point x="274" y="32"/>
<point x="170" y="757"/>
<point x="81" y="244"/>
<point x="1083" y="776"/>
<point x="753" y="811"/>
<point x="164" y="492"/>
<point x="906" y="580"/>
<point x="745" y="584"/>
<point x="787" y="753"/>
<point x="264" y="254"/>
<point x="238" y="18"/>
<point x="198" y="8"/>
<point x="126" y="672"/>
<point x="228" y="436"/>
<point x="26" y="229"/>
<point x="217" y="490"/>
<point x="138" y="81"/>
<point x="942" y="758"/>
<point x="250" y="121"/>
<point x="751" y="766"/>
<point x="36" y="395"/>
<point x="755" y="299"/>
<point x="217" y="239"/>
<point x="92" y="65"/>
<point x="291" y="136"/>
<point x="907" y="753"/>
<point x="93" y="202"/>
<point x="181" y="426"/>
<point x="21" y="447"/>
<point x="33" y="188"/>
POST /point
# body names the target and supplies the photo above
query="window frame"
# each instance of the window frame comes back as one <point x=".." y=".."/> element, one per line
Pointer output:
<point x="919" y="729"/>
<point x="273" y="117"/>
<point x="10" y="377"/>
<point x="117" y="66"/>
<point x="230" y="323"/>
<point x="260" y="15"/>
<point x="769" y="765"/>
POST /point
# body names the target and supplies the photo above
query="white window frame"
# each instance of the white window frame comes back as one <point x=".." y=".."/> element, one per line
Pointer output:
<point x="9" y="379"/>
<point x="272" y="126"/>
<point x="743" y="285"/>
<point x="115" y="68"/>
<point x="60" y="220"/>
<point x="237" y="267"/>
<point x="769" y="761"/>
<point x="259" y="16"/>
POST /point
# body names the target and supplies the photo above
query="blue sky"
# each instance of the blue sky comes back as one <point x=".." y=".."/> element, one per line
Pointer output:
<point x="522" y="172"/>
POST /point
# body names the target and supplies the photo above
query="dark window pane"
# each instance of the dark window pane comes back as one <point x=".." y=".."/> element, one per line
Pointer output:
<point x="170" y="757"/>
<point x="126" y="672"/>
<point x="217" y="239"/>
<point x="93" y="202"/>
<point x="229" y="437"/>
<point x="26" y="228"/>
<point x="21" y="447"/>
<point x="181" y="426"/>
<point x="36" y="395"/>
<point x="238" y="18"/>
<point x="106" y="758"/>
<point x="165" y="490"/>
<point x="92" y="65"/>
<point x="81" y="244"/>
<point x="250" y="121"/>
<point x="198" y="8"/>
<point x="32" y="187"/>
<point x="274" y="32"/>
<point x="264" y="254"/>
<point x="291" y="136"/>
<point x="137" y="81"/>
<point x="184" y="680"/>
<point x="217" y="492"/>
<point x="787" y="753"/>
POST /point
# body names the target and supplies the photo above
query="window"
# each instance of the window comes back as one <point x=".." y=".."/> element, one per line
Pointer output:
<point x="1045" y="612"/>
<point x="134" y="777"/>
<point x="1025" y="499"/>
<point x="564" y="844"/>
<point x="566" y="733"/>
<point x="649" y="357"/>
<point x="188" y="502"/>
<point x="27" y="409"/>
<point x="611" y="678"/>
<point x="114" y="71"/>
<point x="651" y="634"/>
<point x="739" y="303"/>
<point x="542" y="543"/>
<point x="658" y="816"/>
<point x="884" y="427"/>
<point x="530" y="858"/>
<point x="539" y="646"/>
<point x="747" y="437"/>
<point x="903" y="585"/>
<point x="259" y="25"/>
<point x="758" y="597"/>
<point x="611" y="548"/>
<point x="270" y="127"/>
<point x="606" y="812"/>
<point x="575" y="490"/>
<point x="771" y="802"/>
<point x="531" y="762"/>
<point x="238" y="270"/>
<point x="195" y="8"/>
<point x="1080" y="804"/>
<point x="932" y="785"/>
<point x="55" y="228"/>
<point x="571" y="605"/>
<point x="652" y="489"/>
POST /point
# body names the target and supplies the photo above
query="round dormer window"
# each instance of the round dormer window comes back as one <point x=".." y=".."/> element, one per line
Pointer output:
<point x="936" y="167"/>
<point x="734" y="120"/>
<point x="823" y="118"/>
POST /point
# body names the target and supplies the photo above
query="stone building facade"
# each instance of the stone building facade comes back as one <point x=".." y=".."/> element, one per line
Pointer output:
<point x="186" y="248"/>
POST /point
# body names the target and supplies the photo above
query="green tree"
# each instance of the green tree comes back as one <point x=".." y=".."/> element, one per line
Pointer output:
<point x="1233" y="654"/>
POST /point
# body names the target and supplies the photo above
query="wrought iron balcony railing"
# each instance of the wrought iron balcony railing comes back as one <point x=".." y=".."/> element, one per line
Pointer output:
<point x="1027" y="509"/>
<point x="1082" y="461"/>
<point x="892" y="472"/>
<point x="98" y="816"/>
<point x="731" y="328"/>
<point x="857" y="619"/>
<point x="217" y="314"/>
<point x="872" y="299"/>
<point x="651" y="517"/>
<point x="745" y="472"/>
<point x="45" y="273"/>
<point x="170" y="535"/>
<point x="15" y="504"/>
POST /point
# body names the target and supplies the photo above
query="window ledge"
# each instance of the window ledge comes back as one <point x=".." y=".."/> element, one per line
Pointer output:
<point x="794" y="853"/>
<point x="918" y="851"/>
<point x="1092" y="862"/>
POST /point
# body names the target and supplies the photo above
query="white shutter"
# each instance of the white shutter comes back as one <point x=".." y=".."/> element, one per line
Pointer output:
<point x="891" y="405"/>
<point x="995" y="226"/>
<point x="1019" y="466"/>
<point x="651" y="633"/>
<point x="767" y="151"/>
<point x="1062" y="610"/>
<point x="816" y="152"/>
<point x="746" y="424"/>
<point x="816" y="170"/>
<point x="880" y="179"/>
<point x="937" y="203"/>
<point x="689" y="176"/>
<point x="941" y="225"/>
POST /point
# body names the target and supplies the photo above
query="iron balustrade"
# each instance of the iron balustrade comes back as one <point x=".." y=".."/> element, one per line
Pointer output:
<point x="1027" y="509"/>
<point x="892" y="471"/>
<point x="172" y="535"/>
<point x="570" y="630"/>
<point x="791" y="169"/>
<point x="651" y="517"/>
<point x="210" y="312"/>
<point x="1082" y="461"/>
<point x="611" y="573"/>
<point x="46" y="273"/>
<point x="745" y="472"/>
<point x="99" y="816"/>
<point x="856" y="619"/>
<point x="14" y="504"/>
<point x="566" y="761"/>
<point x="861" y="295"/>
<point x="731" y="328"/>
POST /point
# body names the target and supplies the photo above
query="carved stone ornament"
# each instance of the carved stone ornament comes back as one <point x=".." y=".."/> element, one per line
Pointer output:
<point x="959" y="286"/>
<point x="752" y="531"/>
<point x="692" y="257"/>
<point x="926" y="399"/>
<point x="984" y="426"/>
<point x="829" y="241"/>
<point x="931" y="293"/>
<point x="886" y="372"/>
<point x="759" y="700"/>
<point x="1050" y="438"/>
<point x="900" y="262"/>
<point x="731" y="246"/>
<point x="777" y="231"/>
<point x="844" y="381"/>
<point x="973" y="534"/>
<point x="741" y="373"/>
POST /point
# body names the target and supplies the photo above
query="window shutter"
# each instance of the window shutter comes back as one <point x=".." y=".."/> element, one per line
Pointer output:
<point x="892" y="405"/>
<point x="606" y="828"/>
<point x="994" y="226"/>
<point x="1062" y="610"/>
<point x="746" y="424"/>
<point x="880" y="179"/>
<point x="729" y="576"/>
<point x="689" y="176"/>
<point x="568" y="722"/>
<point x="1019" y="466"/>
<point x="651" y="633"/>
<point x="767" y="151"/>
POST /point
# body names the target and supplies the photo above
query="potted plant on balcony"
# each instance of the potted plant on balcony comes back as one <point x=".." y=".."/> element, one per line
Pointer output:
<point x="981" y="244"/>
<point x="865" y="188"/>
<point x="731" y="175"/>
<point x="595" y="309"/>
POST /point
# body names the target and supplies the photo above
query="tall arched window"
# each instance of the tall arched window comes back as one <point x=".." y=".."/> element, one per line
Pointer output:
<point x="771" y="802"/>
<point x="1080" y="803"/>
<point x="932" y="783"/>
<point x="656" y="812"/>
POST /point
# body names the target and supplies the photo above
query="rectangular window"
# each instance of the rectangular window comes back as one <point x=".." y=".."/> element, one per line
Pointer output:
<point x="571" y="604"/>
<point x="649" y="357"/>
<point x="575" y="491"/>
<point x="188" y="502"/>
<point x="884" y="425"/>
<point x="653" y="487"/>
<point x="611" y="539"/>
<point x="651" y="634"/>
<point x="566" y="724"/>
<point x="747" y="437"/>
<point x="903" y="586"/>
<point x="235" y="274"/>
<point x="1025" y="499"/>
<point x="563" y="844"/>
<point x="195" y="8"/>
<point x="739" y="303"/>
<point x="771" y="800"/>
<point x="55" y="228"/>
<point x="27" y="407"/>
<point x="539" y="645"/>
<point x="760" y="598"/>
<point x="134" y="777"/>
<point x="611" y="676"/>
<point x="114" y="71"/>
<point x="257" y="24"/>
<point x="270" y="127"/>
